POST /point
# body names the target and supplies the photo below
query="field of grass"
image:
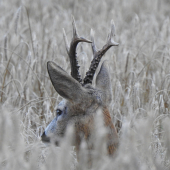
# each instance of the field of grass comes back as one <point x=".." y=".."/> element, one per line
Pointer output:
<point x="31" y="34"/>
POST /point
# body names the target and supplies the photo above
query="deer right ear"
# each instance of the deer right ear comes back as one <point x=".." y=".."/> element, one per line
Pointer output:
<point x="103" y="81"/>
<point x="64" y="84"/>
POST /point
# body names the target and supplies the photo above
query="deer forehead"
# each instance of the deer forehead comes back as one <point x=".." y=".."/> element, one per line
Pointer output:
<point x="62" y="104"/>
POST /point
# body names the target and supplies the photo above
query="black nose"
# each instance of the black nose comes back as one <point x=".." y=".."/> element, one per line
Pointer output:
<point x="44" y="138"/>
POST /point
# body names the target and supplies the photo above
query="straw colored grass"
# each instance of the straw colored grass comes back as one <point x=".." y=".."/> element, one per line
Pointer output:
<point x="31" y="35"/>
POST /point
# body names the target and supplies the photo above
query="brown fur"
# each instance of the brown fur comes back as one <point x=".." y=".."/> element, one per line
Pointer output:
<point x="84" y="130"/>
<point x="112" y="135"/>
<point x="81" y="99"/>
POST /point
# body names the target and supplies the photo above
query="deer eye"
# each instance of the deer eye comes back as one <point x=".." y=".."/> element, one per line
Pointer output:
<point x="59" y="112"/>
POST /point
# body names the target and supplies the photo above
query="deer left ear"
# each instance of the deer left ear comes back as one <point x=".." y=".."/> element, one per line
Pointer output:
<point x="103" y="82"/>
<point x="64" y="84"/>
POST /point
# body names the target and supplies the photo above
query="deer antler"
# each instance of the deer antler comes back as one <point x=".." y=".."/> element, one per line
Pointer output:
<point x="99" y="53"/>
<point x="71" y="51"/>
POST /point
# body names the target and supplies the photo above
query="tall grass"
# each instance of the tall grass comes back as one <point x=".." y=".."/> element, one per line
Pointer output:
<point x="31" y="35"/>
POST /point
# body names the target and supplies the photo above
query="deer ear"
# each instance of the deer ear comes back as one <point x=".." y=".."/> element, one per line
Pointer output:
<point x="103" y="82"/>
<point x="64" y="84"/>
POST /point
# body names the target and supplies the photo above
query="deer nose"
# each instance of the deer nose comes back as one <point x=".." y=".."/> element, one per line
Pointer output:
<point x="44" y="138"/>
<point x="43" y="134"/>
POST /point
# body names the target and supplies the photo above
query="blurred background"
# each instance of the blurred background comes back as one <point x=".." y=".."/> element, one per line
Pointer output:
<point x="31" y="34"/>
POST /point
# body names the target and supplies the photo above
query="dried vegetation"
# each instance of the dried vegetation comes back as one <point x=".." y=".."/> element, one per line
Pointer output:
<point x="31" y="35"/>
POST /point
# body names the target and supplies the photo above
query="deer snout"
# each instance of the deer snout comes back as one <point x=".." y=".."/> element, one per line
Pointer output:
<point x="44" y="137"/>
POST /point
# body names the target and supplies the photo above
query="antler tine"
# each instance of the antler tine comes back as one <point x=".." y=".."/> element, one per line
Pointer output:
<point x="112" y="34"/>
<point x="75" y="34"/>
<point x="99" y="53"/>
<point x="72" y="51"/>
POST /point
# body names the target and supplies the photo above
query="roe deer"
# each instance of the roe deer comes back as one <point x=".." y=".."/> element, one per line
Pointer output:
<point x="81" y="99"/>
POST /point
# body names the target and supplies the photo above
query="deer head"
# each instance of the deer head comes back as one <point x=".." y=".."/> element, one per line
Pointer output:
<point x="81" y="99"/>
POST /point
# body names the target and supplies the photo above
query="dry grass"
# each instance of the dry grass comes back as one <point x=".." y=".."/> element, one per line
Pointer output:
<point x="31" y="35"/>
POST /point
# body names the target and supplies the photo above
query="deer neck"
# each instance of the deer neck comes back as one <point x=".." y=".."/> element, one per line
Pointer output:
<point x="83" y="131"/>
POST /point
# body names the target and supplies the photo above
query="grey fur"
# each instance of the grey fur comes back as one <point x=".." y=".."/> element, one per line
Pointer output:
<point x="103" y="82"/>
<point x="80" y="102"/>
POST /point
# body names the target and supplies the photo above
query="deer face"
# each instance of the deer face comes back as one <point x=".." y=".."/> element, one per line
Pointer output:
<point x="81" y="99"/>
<point x="79" y="103"/>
